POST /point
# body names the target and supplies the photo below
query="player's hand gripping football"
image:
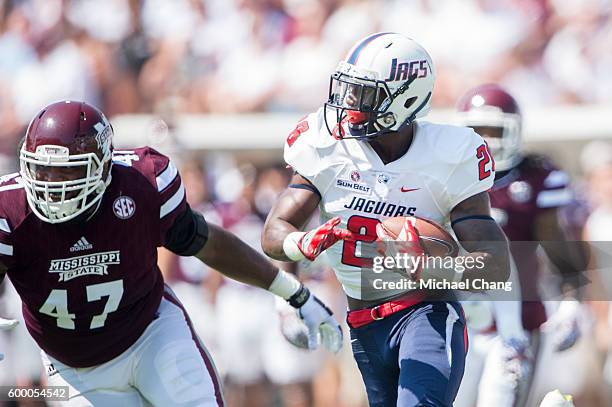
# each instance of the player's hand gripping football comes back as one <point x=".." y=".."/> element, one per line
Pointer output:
<point x="406" y="243"/>
<point x="309" y="245"/>
<point x="5" y="325"/>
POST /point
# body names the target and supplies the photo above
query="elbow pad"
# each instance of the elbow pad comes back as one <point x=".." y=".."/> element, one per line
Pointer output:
<point x="188" y="234"/>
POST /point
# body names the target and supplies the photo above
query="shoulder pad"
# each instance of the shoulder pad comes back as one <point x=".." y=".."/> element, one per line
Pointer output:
<point x="13" y="203"/>
<point x="148" y="161"/>
<point x="450" y="144"/>
<point x="306" y="144"/>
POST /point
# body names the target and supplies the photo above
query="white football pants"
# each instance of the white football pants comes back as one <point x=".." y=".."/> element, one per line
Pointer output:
<point x="166" y="366"/>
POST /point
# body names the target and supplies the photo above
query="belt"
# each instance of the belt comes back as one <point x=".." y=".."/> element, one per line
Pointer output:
<point x="362" y="317"/>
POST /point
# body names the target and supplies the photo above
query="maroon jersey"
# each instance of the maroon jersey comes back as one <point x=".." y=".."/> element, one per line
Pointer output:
<point x="90" y="289"/>
<point x="517" y="198"/>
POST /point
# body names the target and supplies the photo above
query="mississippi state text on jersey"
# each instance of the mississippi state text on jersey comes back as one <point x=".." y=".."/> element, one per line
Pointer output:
<point x="90" y="289"/>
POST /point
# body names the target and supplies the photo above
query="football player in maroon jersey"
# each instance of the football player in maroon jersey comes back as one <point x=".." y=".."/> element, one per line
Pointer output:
<point x="79" y="229"/>
<point x="525" y="198"/>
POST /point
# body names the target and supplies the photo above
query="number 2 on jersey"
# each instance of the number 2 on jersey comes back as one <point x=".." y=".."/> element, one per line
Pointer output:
<point x="56" y="304"/>
<point x="485" y="157"/>
<point x="365" y="231"/>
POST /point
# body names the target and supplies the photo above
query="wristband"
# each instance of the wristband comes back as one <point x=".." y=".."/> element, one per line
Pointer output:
<point x="285" y="285"/>
<point x="300" y="297"/>
<point x="291" y="246"/>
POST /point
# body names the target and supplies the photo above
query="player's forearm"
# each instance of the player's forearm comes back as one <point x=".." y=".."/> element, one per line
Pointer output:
<point x="569" y="257"/>
<point x="235" y="259"/>
<point x="571" y="261"/>
<point x="289" y="214"/>
<point x="491" y="265"/>
<point x="274" y="234"/>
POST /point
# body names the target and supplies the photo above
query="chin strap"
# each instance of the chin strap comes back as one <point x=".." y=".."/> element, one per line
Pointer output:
<point x="414" y="114"/>
<point x="93" y="210"/>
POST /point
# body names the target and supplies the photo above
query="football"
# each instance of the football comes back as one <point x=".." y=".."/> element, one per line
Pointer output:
<point x="435" y="240"/>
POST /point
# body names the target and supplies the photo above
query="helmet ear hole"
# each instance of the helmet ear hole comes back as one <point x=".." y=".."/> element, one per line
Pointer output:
<point x="409" y="102"/>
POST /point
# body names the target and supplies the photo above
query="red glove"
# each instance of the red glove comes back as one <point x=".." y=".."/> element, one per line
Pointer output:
<point x="407" y="242"/>
<point x="313" y="243"/>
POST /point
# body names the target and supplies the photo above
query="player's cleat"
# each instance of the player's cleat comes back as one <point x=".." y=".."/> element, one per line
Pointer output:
<point x="557" y="399"/>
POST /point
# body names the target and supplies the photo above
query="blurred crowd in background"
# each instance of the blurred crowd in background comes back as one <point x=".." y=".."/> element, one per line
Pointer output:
<point x="235" y="56"/>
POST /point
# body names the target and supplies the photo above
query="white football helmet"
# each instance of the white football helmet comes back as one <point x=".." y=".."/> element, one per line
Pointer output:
<point x="384" y="84"/>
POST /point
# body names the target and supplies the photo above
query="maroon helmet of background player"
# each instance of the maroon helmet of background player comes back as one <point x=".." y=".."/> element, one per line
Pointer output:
<point x="494" y="114"/>
<point x="65" y="160"/>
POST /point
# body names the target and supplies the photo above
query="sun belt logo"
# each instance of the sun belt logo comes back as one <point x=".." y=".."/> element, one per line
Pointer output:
<point x="73" y="267"/>
<point x="82" y="244"/>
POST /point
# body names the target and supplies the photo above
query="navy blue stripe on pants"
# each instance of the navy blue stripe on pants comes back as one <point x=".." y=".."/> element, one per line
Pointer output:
<point x="415" y="357"/>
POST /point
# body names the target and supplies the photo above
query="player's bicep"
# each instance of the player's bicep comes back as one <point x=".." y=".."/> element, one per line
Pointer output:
<point x="568" y="256"/>
<point x="473" y="225"/>
<point x="296" y="204"/>
<point x="188" y="233"/>
<point x="546" y="226"/>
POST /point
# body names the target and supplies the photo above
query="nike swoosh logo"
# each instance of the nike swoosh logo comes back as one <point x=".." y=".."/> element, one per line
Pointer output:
<point x="409" y="189"/>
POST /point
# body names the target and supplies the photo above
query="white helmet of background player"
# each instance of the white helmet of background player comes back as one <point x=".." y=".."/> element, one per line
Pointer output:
<point x="495" y="115"/>
<point x="385" y="83"/>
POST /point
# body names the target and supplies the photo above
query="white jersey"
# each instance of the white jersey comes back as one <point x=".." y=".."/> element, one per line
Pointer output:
<point x="443" y="166"/>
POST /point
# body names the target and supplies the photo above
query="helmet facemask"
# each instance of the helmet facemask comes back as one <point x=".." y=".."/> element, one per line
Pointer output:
<point x="57" y="201"/>
<point x="365" y="103"/>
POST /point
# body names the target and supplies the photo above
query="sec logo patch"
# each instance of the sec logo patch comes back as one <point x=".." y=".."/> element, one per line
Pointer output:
<point x="124" y="207"/>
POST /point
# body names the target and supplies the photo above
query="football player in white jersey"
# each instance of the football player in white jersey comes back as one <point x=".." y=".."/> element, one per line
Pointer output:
<point x="362" y="158"/>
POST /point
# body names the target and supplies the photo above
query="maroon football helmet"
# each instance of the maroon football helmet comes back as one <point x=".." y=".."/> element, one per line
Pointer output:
<point x="494" y="114"/>
<point x="66" y="160"/>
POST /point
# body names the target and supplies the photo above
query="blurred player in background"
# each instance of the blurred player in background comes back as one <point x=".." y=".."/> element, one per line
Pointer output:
<point x="596" y="162"/>
<point x="363" y="158"/>
<point x="525" y="200"/>
<point x="79" y="228"/>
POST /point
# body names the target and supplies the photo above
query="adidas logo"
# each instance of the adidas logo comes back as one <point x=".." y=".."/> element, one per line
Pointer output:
<point x="51" y="370"/>
<point x="82" y="244"/>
